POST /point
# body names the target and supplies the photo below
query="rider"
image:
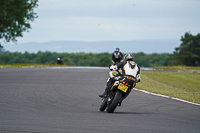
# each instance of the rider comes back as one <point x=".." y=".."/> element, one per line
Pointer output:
<point x="117" y="56"/>
<point x="130" y="73"/>
<point x="59" y="61"/>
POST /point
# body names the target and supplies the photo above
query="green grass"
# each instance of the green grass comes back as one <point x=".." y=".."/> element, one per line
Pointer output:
<point x="178" y="68"/>
<point x="184" y="86"/>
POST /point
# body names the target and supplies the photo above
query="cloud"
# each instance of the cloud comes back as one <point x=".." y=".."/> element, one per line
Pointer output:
<point x="103" y="28"/>
<point x="119" y="8"/>
<point x="101" y="20"/>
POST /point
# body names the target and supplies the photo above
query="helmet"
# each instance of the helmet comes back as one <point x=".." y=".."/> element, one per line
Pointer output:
<point x="58" y="58"/>
<point x="128" y="57"/>
<point x="117" y="49"/>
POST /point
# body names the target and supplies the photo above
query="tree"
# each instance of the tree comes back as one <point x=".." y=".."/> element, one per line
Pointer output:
<point x="81" y="59"/>
<point x="189" y="51"/>
<point x="15" y="17"/>
<point x="67" y="61"/>
<point x="105" y="60"/>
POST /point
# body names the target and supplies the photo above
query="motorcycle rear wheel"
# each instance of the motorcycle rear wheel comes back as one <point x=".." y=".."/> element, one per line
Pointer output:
<point x="114" y="102"/>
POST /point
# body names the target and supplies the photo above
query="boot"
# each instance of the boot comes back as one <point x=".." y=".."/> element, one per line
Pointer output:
<point x="104" y="94"/>
<point x="119" y="104"/>
<point x="106" y="89"/>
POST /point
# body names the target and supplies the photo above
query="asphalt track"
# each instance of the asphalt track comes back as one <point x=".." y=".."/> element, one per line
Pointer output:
<point x="37" y="100"/>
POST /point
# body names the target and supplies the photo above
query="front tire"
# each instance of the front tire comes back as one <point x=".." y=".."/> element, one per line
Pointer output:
<point x="103" y="106"/>
<point x="114" y="103"/>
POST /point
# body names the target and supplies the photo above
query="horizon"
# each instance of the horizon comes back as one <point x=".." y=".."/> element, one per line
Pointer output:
<point x="146" y="46"/>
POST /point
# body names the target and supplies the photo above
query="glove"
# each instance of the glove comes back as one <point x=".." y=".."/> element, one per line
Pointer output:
<point x="113" y="67"/>
<point x="138" y="78"/>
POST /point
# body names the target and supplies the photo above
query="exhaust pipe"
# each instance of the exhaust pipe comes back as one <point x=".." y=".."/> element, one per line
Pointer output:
<point x="114" y="85"/>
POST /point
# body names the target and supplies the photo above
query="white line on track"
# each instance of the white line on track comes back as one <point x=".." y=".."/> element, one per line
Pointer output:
<point x="166" y="97"/>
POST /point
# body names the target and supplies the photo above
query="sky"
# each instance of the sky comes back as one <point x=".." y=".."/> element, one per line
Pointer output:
<point x="112" y="20"/>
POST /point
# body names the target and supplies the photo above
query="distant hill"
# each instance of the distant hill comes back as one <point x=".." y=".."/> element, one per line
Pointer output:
<point x="146" y="46"/>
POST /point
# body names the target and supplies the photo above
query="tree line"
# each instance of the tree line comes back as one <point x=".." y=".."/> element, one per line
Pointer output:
<point x="188" y="54"/>
<point x="81" y="59"/>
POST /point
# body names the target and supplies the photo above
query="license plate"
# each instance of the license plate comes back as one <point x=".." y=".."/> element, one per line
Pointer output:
<point x="122" y="87"/>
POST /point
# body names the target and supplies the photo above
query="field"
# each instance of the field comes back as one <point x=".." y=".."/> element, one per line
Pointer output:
<point x="184" y="86"/>
<point x="180" y="68"/>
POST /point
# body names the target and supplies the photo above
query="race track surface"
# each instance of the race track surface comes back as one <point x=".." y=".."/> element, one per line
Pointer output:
<point x="36" y="100"/>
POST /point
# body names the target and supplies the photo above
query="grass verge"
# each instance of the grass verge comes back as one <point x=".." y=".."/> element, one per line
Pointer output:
<point x="184" y="86"/>
<point x="182" y="68"/>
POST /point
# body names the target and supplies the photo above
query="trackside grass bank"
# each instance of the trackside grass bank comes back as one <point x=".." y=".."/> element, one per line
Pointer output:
<point x="184" y="86"/>
<point x="181" y="68"/>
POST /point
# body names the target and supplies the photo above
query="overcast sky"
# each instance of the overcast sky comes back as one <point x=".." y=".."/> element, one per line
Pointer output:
<point x="113" y="20"/>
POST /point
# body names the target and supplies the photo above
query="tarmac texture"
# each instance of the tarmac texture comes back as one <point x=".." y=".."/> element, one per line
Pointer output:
<point x="45" y="100"/>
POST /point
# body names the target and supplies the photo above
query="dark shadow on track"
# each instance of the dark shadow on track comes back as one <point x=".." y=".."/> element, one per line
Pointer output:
<point x="138" y="113"/>
<point x="123" y="113"/>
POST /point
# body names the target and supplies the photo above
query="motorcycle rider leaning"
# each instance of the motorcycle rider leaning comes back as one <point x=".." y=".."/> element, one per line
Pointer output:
<point x="117" y="56"/>
<point x="130" y="73"/>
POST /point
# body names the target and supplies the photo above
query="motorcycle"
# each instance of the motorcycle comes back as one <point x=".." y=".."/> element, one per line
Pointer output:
<point x="117" y="92"/>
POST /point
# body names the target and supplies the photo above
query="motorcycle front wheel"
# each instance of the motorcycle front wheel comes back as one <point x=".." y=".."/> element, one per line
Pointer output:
<point x="114" y="102"/>
<point x="103" y="106"/>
